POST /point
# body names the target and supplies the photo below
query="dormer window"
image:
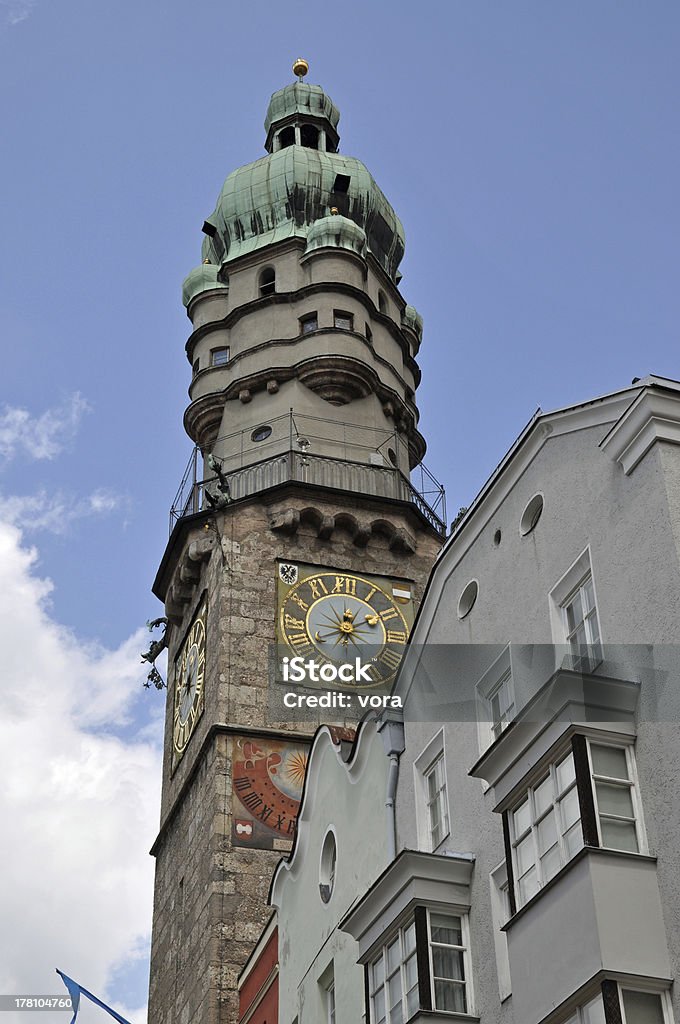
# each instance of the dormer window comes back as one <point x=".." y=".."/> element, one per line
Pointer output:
<point x="309" y="136"/>
<point x="268" y="281"/>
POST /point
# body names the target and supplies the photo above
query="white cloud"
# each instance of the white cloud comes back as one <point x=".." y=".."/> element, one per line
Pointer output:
<point x="44" y="436"/>
<point x="78" y="803"/>
<point x="56" y="512"/>
<point x="17" y="10"/>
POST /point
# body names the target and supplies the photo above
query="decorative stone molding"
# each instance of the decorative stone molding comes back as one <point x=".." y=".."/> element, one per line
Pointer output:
<point x="187" y="576"/>
<point x="289" y="521"/>
<point x="653" y="416"/>
<point x="203" y="417"/>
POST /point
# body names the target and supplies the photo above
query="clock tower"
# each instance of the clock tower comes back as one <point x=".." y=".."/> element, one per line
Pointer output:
<point x="305" y="523"/>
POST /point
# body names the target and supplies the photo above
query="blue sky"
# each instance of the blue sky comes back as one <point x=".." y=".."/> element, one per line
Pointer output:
<point x="530" y="150"/>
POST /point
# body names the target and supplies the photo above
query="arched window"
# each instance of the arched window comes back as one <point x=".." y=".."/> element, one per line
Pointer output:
<point x="268" y="281"/>
<point x="382" y="302"/>
<point x="309" y="136"/>
<point x="287" y="137"/>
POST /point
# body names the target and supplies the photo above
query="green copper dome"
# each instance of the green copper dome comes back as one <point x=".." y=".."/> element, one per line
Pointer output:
<point x="201" y="279"/>
<point x="304" y="99"/>
<point x="284" y="193"/>
<point x="337" y="231"/>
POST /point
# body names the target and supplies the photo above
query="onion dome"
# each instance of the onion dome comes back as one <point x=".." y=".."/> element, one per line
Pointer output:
<point x="286" y="192"/>
<point x="201" y="279"/>
<point x="411" y="319"/>
<point x="337" y="231"/>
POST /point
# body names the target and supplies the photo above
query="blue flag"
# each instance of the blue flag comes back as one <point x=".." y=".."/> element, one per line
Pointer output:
<point x="75" y="991"/>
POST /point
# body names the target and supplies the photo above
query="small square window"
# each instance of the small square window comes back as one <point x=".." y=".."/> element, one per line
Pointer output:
<point x="219" y="356"/>
<point x="309" y="323"/>
<point x="344" y="321"/>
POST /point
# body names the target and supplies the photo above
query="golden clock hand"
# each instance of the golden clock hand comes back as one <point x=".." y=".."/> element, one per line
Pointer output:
<point x="320" y="639"/>
<point x="372" y="620"/>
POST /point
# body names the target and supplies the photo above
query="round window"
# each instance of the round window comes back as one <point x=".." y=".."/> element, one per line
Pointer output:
<point x="329" y="854"/>
<point x="467" y="599"/>
<point x="531" y="515"/>
<point x="261" y="433"/>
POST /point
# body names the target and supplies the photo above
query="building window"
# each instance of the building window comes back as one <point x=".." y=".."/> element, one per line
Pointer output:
<point x="532" y="513"/>
<point x="329" y="856"/>
<point x="590" y="1013"/>
<point x="394" y="990"/>
<point x="500" y="703"/>
<point x="448" y="954"/>
<point x="369" y="334"/>
<point x="590" y="795"/>
<point x="393" y="979"/>
<point x="644" y="1007"/>
<point x="344" y="321"/>
<point x="219" y="356"/>
<point x="309" y="323"/>
<point x="261" y="433"/>
<point x="268" y="281"/>
<point x="437" y="803"/>
<point x="286" y="137"/>
<point x="619" y="820"/>
<point x="195" y="367"/>
<point x="545" y="829"/>
<point x="382" y="302"/>
<point x="582" y="626"/>
<point x="309" y="136"/>
<point x="330" y="1004"/>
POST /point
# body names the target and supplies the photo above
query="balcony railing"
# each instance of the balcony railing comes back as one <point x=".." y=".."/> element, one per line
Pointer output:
<point x="195" y="495"/>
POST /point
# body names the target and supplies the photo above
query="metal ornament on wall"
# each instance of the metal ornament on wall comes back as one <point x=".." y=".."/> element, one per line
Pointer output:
<point x="157" y="647"/>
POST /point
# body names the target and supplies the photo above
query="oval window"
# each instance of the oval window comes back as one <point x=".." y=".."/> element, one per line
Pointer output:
<point x="467" y="599"/>
<point x="531" y="515"/>
<point x="329" y="855"/>
<point x="261" y="433"/>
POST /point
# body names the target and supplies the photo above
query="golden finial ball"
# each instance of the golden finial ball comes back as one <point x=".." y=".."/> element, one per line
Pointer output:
<point x="300" y="67"/>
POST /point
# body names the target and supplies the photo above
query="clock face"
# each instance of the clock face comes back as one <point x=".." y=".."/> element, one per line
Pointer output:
<point x="189" y="674"/>
<point x="336" y="617"/>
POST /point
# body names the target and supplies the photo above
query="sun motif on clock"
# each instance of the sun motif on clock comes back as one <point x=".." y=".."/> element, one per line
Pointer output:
<point x="335" y="617"/>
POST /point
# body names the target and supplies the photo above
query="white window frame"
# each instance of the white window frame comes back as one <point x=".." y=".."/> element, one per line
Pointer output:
<point x="536" y="819"/>
<point x="560" y="596"/>
<point x="426" y="762"/>
<point x="633" y="785"/>
<point x="500" y="914"/>
<point x="579" y="1017"/>
<point x="663" y="994"/>
<point x="398" y="935"/>
<point x="220" y="361"/>
<point x="498" y="676"/>
<point x="464" y="948"/>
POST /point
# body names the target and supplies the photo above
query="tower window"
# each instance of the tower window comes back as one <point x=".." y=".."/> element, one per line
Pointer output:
<point x="345" y="321"/>
<point x="268" y="281"/>
<point x="261" y="433"/>
<point x="309" y="136"/>
<point x="219" y="356"/>
<point x="369" y="334"/>
<point x="341" y="183"/>
<point x="286" y="137"/>
<point x="309" y="323"/>
<point x="382" y="302"/>
<point x="196" y="367"/>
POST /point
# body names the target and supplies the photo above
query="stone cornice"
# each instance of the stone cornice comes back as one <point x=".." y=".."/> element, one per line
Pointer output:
<point x="653" y="416"/>
<point x="412" y="879"/>
<point x="286" y="298"/>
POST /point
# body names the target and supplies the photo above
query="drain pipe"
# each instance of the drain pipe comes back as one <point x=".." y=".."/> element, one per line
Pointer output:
<point x="391" y="730"/>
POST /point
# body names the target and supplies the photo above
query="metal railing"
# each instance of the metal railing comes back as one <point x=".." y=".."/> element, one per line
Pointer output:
<point x="195" y="495"/>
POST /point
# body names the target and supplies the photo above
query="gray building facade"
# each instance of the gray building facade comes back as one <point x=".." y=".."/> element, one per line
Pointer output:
<point x="536" y="861"/>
